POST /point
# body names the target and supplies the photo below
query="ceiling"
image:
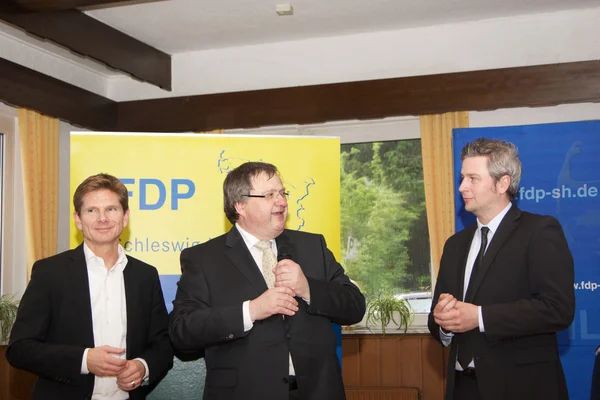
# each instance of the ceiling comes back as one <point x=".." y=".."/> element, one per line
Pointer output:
<point x="180" y="26"/>
<point x="176" y="26"/>
<point x="144" y="41"/>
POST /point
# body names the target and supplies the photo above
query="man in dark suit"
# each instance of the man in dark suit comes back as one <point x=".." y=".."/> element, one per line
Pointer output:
<point x="92" y="323"/>
<point x="505" y="287"/>
<point x="265" y="325"/>
<point x="595" y="392"/>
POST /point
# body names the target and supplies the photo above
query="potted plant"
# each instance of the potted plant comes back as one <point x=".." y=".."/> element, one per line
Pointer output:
<point x="14" y="383"/>
<point x="385" y="309"/>
<point x="8" y="313"/>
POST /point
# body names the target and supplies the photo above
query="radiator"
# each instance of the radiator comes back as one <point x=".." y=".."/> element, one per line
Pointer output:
<point x="382" y="393"/>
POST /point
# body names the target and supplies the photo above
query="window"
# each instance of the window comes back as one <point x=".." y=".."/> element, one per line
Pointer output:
<point x="384" y="235"/>
<point x="13" y="274"/>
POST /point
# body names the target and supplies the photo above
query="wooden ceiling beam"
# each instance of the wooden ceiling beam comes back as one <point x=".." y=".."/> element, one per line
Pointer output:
<point x="56" y="5"/>
<point x="532" y="86"/>
<point x="89" y="37"/>
<point x="26" y="88"/>
<point x="542" y="85"/>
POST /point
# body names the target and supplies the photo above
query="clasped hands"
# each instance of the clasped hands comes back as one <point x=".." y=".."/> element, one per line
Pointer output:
<point x="455" y="316"/>
<point x="290" y="282"/>
<point x="105" y="361"/>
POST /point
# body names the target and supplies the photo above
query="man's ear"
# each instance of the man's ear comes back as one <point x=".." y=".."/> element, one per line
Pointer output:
<point x="503" y="184"/>
<point x="77" y="220"/>
<point x="240" y="208"/>
<point x="126" y="218"/>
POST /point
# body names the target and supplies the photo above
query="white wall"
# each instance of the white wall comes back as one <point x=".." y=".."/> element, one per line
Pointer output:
<point x="506" y="42"/>
<point x="347" y="131"/>
<point x="409" y="127"/>
<point x="541" y="115"/>
<point x="64" y="190"/>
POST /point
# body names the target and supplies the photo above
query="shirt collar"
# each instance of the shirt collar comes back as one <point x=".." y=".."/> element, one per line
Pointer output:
<point x="495" y="222"/>
<point x="121" y="259"/>
<point x="249" y="238"/>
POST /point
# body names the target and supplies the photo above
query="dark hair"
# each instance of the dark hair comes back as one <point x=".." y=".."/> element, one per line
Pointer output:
<point x="98" y="182"/>
<point x="502" y="159"/>
<point x="239" y="182"/>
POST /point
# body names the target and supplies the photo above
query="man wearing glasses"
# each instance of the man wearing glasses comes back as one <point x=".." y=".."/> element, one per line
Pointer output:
<point x="259" y="300"/>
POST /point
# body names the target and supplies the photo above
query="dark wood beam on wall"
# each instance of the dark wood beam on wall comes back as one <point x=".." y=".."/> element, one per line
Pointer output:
<point x="24" y="87"/>
<point x="91" y="38"/>
<point x="543" y="85"/>
<point x="55" y="5"/>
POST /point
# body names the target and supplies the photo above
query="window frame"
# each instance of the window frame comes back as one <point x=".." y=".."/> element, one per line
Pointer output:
<point x="14" y="271"/>
<point x="402" y="129"/>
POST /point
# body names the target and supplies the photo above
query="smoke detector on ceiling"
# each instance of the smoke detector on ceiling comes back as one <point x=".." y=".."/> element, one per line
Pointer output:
<point x="284" y="9"/>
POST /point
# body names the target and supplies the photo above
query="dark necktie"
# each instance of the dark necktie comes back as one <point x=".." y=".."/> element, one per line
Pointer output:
<point x="478" y="260"/>
<point x="465" y="355"/>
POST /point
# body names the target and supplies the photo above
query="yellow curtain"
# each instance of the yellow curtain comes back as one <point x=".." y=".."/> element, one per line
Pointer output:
<point x="39" y="156"/>
<point x="438" y="174"/>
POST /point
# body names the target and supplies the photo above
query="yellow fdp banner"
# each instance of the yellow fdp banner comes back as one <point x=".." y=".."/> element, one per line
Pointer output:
<point x="175" y="184"/>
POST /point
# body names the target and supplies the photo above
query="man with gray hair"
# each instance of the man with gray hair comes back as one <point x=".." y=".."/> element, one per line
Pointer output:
<point x="504" y="288"/>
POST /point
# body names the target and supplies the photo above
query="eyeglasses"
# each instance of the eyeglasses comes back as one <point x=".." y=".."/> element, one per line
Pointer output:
<point x="272" y="195"/>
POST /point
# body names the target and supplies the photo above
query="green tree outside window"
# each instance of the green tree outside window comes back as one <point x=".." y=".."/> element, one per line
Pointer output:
<point x="384" y="236"/>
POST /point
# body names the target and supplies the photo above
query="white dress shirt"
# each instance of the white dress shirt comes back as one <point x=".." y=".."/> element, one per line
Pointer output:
<point x="257" y="254"/>
<point x="493" y="225"/>
<point x="109" y="317"/>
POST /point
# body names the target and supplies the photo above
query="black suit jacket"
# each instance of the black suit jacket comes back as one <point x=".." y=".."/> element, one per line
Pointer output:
<point x="54" y="326"/>
<point x="525" y="288"/>
<point x="218" y="276"/>
<point x="595" y="392"/>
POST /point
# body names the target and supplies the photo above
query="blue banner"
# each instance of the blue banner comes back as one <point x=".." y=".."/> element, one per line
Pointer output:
<point x="561" y="177"/>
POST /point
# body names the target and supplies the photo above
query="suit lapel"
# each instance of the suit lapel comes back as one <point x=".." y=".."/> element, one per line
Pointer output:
<point x="81" y="290"/>
<point x="240" y="256"/>
<point x="508" y="224"/>
<point x="131" y="304"/>
<point x="463" y="255"/>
